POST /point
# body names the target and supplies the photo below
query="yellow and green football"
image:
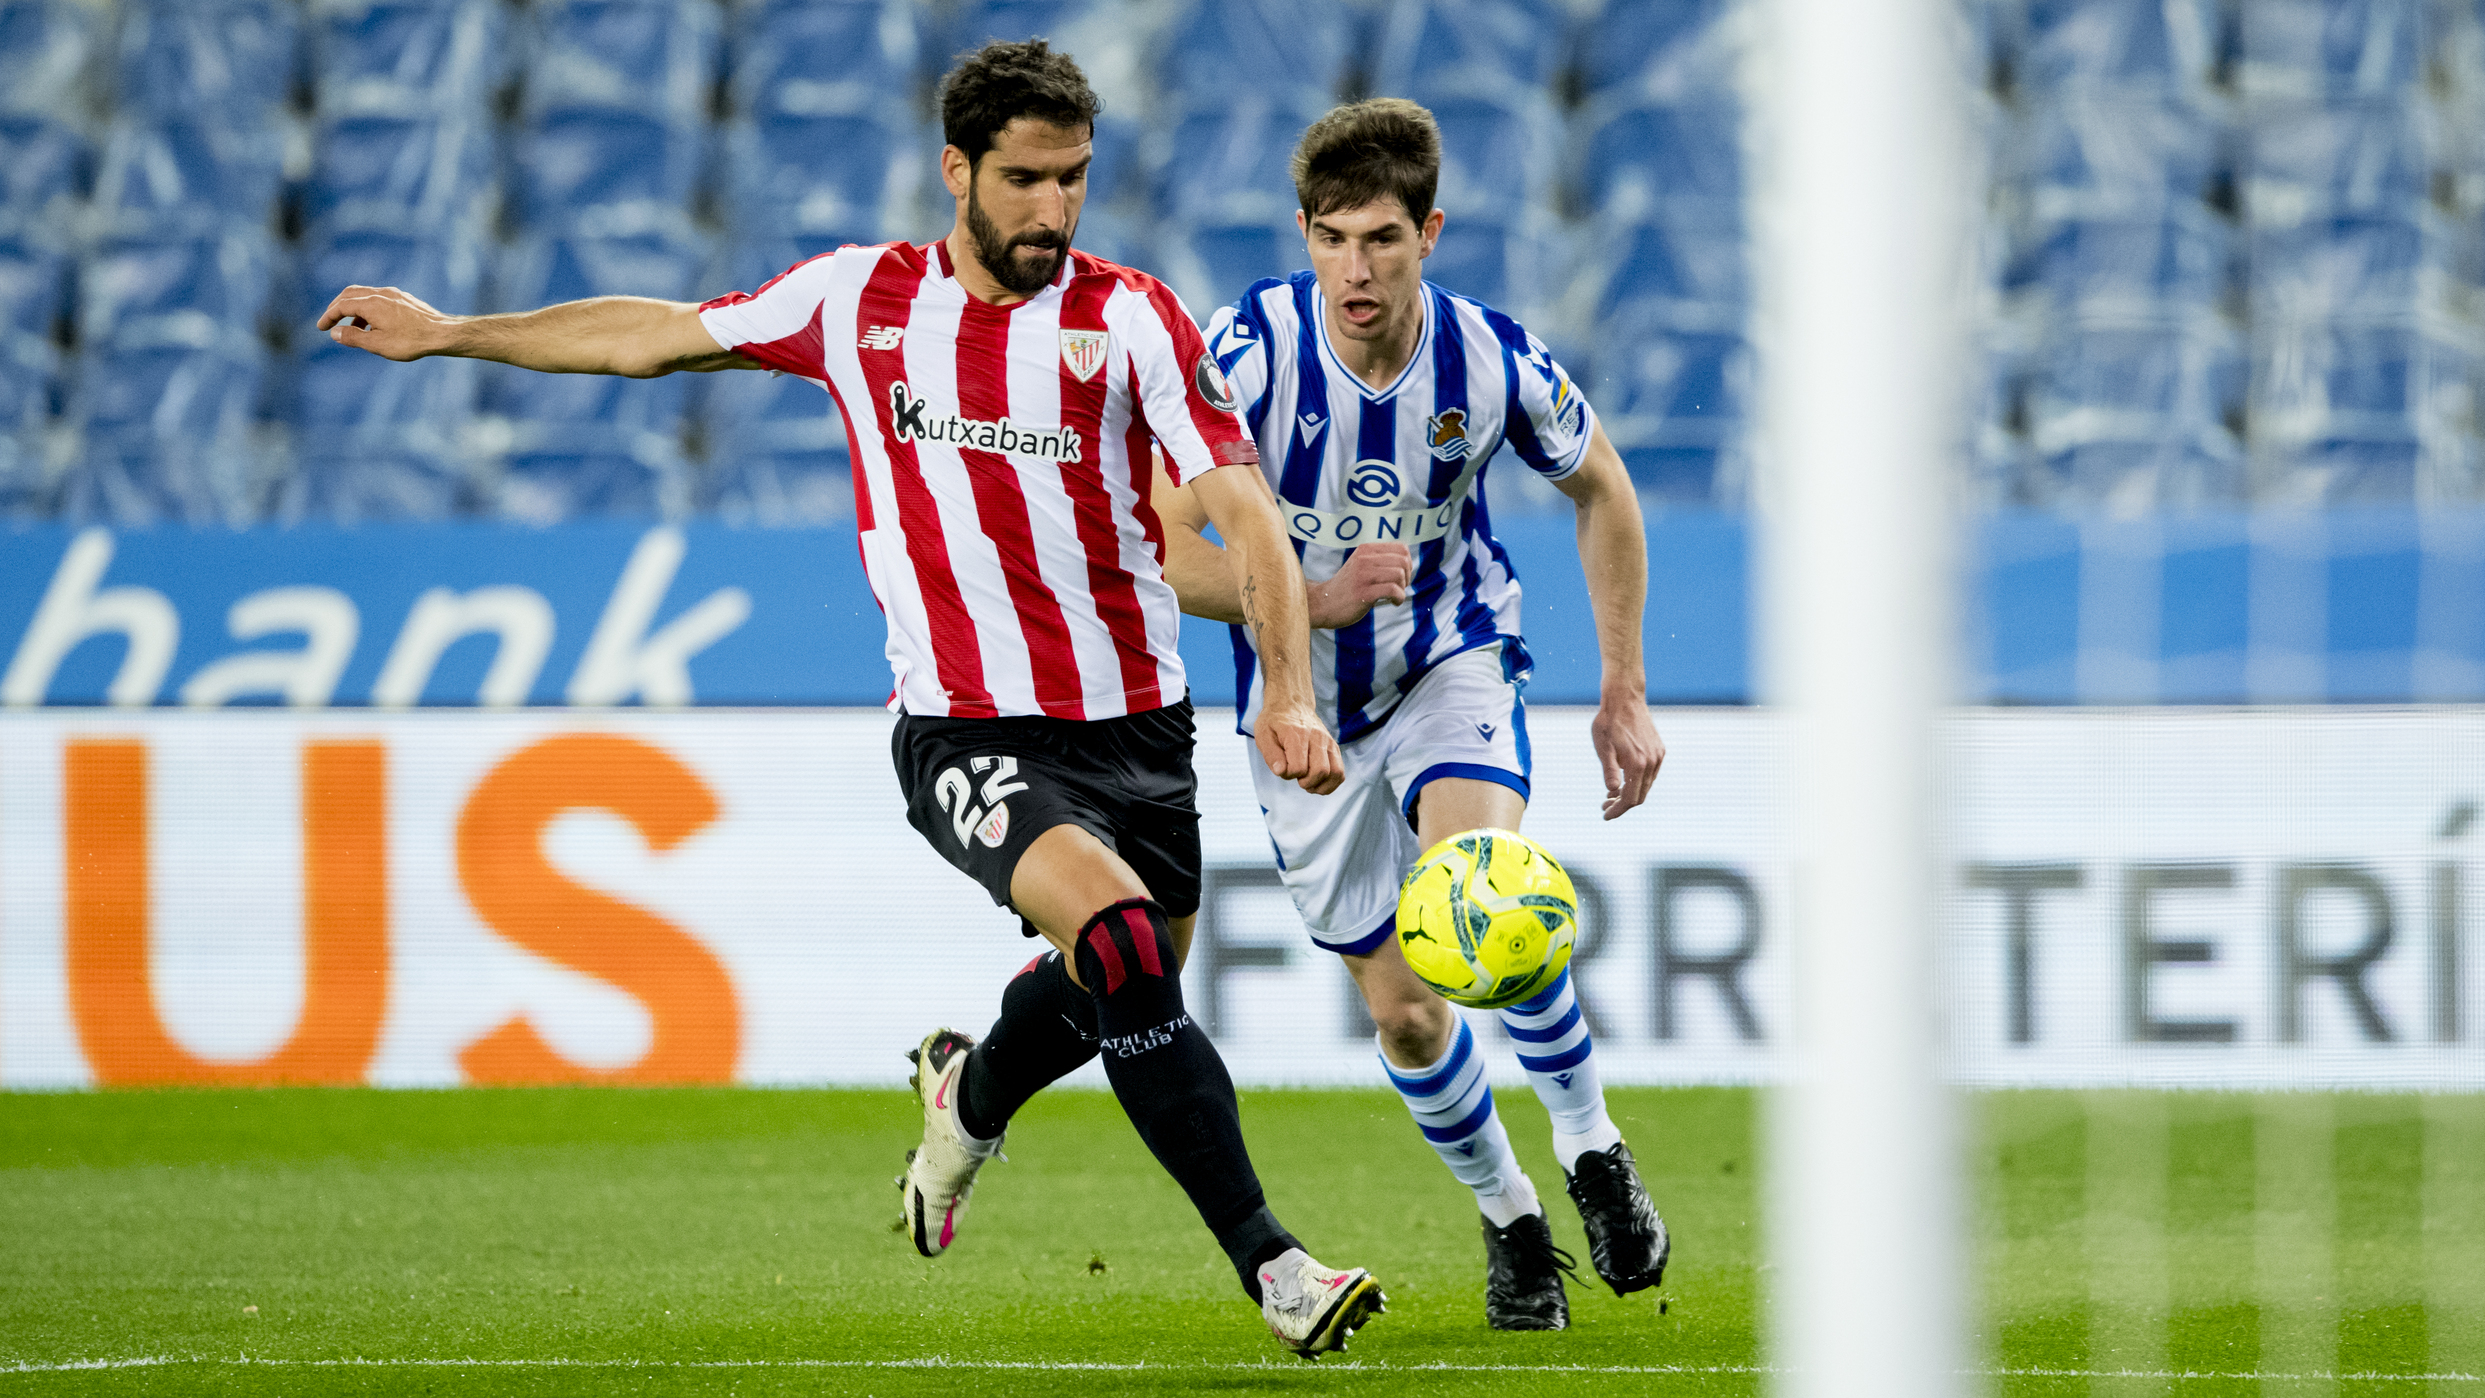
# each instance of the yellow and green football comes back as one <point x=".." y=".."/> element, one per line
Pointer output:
<point x="1487" y="918"/>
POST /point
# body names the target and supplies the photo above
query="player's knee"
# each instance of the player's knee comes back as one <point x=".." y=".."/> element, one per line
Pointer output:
<point x="1412" y="1026"/>
<point x="1129" y="948"/>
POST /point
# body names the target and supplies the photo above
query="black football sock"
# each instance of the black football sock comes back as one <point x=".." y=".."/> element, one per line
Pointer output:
<point x="1046" y="1030"/>
<point x="1172" y="1083"/>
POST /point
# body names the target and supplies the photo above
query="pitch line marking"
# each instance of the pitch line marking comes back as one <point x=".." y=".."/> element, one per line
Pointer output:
<point x="943" y="1362"/>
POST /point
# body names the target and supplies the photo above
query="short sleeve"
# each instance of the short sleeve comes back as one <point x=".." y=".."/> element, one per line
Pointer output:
<point x="1550" y="422"/>
<point x="777" y="326"/>
<point x="1188" y="402"/>
<point x="1240" y="347"/>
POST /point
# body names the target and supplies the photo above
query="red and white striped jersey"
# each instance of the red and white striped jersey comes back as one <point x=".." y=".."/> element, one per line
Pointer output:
<point x="1001" y="468"/>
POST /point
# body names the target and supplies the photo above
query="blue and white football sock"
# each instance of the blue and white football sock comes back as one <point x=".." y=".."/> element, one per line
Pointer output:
<point x="1551" y="1037"/>
<point x="1454" y="1108"/>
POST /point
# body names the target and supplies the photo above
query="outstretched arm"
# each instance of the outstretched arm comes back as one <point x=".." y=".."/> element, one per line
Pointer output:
<point x="1291" y="738"/>
<point x="1613" y="550"/>
<point x="1204" y="579"/>
<point x="632" y="336"/>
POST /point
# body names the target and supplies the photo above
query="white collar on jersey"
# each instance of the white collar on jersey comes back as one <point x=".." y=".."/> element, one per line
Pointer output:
<point x="1423" y="346"/>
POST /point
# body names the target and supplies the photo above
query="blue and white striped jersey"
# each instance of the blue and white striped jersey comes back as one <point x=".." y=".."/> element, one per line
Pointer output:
<point x="1352" y="464"/>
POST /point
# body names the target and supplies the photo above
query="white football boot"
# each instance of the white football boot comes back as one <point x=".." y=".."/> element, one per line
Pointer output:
<point x="1311" y="1308"/>
<point x="940" y="1173"/>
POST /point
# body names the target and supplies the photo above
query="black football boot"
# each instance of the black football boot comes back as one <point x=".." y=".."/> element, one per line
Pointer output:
<point x="1523" y="1276"/>
<point x="1626" y="1239"/>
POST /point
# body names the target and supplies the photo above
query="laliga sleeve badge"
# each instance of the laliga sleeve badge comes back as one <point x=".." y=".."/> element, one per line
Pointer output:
<point x="1082" y="352"/>
<point x="1210" y="381"/>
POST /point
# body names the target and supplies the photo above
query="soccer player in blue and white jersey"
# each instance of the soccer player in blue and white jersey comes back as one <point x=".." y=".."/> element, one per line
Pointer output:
<point x="1377" y="399"/>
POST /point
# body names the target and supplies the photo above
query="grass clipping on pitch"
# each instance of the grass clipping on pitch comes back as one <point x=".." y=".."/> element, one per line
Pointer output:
<point x="590" y="1240"/>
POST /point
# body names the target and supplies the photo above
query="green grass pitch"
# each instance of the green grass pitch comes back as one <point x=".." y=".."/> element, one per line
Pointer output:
<point x="739" y="1241"/>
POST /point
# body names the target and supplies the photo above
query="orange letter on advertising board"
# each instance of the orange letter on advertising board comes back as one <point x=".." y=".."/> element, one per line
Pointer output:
<point x="109" y="916"/>
<point x="500" y="859"/>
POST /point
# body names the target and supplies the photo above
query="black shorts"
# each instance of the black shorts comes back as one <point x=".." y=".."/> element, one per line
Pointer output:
<point x="982" y="789"/>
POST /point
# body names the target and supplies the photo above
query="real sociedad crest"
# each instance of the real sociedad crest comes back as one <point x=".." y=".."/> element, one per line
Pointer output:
<point x="1083" y="352"/>
<point x="1448" y="434"/>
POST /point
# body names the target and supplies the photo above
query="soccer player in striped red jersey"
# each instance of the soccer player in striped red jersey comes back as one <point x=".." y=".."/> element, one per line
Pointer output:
<point x="1003" y="395"/>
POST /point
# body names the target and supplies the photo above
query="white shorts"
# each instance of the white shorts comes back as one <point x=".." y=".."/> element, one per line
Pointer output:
<point x="1343" y="855"/>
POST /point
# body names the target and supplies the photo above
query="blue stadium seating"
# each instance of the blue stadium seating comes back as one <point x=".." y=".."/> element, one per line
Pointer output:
<point x="34" y="294"/>
<point x="2312" y="49"/>
<point x="1208" y="265"/>
<point x="2161" y="48"/>
<point x="424" y="174"/>
<point x="2353" y="269"/>
<point x="1516" y="266"/>
<point x="408" y="57"/>
<point x="587" y="444"/>
<point x="34" y="289"/>
<point x="374" y="440"/>
<point x="167" y="436"/>
<point x="230" y="64"/>
<point x="47" y="48"/>
<point x="1231" y="164"/>
<point x="607" y="174"/>
<point x="1642" y="50"/>
<point x="826" y="58"/>
<point x="1500" y="152"/>
<point x="975" y="23"/>
<point x="2113" y="267"/>
<point x="188" y="293"/>
<point x="1635" y="159"/>
<point x="2366" y="157"/>
<point x="838" y="178"/>
<point x="776" y="449"/>
<point x="1687" y="274"/>
<point x="1427" y="46"/>
<point x="1294" y="53"/>
<point x="2366" y="414"/>
<point x="658" y="57"/>
<point x="43" y="171"/>
<point x="2081" y="156"/>
<point x="2142" y="416"/>
<point x="167" y="178"/>
<point x="1674" y="403"/>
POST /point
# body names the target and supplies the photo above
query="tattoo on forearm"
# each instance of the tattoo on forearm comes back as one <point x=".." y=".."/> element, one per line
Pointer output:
<point x="1251" y="606"/>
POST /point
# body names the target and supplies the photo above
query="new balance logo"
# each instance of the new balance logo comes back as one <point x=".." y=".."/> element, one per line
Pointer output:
<point x="912" y="419"/>
<point x="881" y="337"/>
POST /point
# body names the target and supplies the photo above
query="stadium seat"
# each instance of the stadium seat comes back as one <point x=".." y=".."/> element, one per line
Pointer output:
<point x="1231" y="164"/>
<point x="1687" y="275"/>
<point x="1516" y="266"/>
<point x="168" y="434"/>
<point x="807" y="58"/>
<point x="432" y="175"/>
<point x="1294" y="53"/>
<point x="1636" y="159"/>
<point x="2111" y="268"/>
<point x="1500" y="152"/>
<point x="2346" y="158"/>
<point x="34" y="295"/>
<point x="837" y="178"/>
<point x="2346" y="413"/>
<point x="373" y="440"/>
<point x="47" y="50"/>
<point x="2136" y="417"/>
<point x="776" y="450"/>
<point x="228" y="64"/>
<point x="408" y="57"/>
<point x="594" y="475"/>
<point x="186" y="293"/>
<point x="658" y="57"/>
<point x="2354" y="269"/>
<point x="1636" y="51"/>
<point x="1424" y="42"/>
<point x="43" y="172"/>
<point x="1675" y="405"/>
<point x="2082" y="156"/>
<point x="2159" y="48"/>
<point x="2331" y="49"/>
<point x="1210" y="264"/>
<point x="446" y="272"/>
<point x="172" y="178"/>
<point x="607" y="174"/>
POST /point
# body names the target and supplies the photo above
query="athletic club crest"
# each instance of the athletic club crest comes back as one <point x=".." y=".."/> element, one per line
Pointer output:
<point x="1448" y="434"/>
<point x="1083" y="352"/>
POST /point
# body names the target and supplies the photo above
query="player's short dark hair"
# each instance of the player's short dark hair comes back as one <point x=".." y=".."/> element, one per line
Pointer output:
<point x="1380" y="148"/>
<point x="1001" y="82"/>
